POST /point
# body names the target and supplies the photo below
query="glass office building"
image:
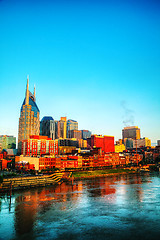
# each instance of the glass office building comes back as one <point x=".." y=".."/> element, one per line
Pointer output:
<point x="47" y="127"/>
<point x="71" y="125"/>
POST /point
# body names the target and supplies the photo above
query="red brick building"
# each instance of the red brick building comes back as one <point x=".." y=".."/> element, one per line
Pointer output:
<point x="106" y="143"/>
<point x="39" y="145"/>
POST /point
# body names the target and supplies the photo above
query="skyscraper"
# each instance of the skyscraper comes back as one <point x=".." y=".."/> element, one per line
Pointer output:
<point x="71" y="125"/>
<point x="131" y="132"/>
<point x="29" y="123"/>
<point x="47" y="127"/>
<point x="62" y="128"/>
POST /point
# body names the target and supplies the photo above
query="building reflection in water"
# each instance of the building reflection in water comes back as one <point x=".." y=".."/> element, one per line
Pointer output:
<point x="29" y="204"/>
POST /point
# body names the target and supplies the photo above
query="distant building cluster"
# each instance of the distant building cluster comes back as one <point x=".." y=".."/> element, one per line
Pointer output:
<point x="52" y="143"/>
<point x="63" y="129"/>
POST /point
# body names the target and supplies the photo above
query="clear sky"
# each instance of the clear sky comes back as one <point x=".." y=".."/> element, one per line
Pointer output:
<point x="94" y="61"/>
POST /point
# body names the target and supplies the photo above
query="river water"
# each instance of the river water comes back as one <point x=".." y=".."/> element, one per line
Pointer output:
<point x="115" y="207"/>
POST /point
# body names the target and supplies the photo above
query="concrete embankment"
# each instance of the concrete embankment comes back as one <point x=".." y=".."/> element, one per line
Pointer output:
<point x="29" y="182"/>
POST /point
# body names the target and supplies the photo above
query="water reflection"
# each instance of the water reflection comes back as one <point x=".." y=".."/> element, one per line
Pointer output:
<point x="116" y="202"/>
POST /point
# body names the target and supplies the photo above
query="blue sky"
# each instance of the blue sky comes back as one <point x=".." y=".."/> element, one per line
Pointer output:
<point x="97" y="62"/>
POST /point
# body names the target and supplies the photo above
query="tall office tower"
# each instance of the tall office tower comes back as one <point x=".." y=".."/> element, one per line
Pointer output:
<point x="62" y="128"/>
<point x="29" y="123"/>
<point x="8" y="142"/>
<point x="71" y="125"/>
<point x="158" y="142"/>
<point x="131" y="132"/>
<point x="47" y="127"/>
<point x="56" y="128"/>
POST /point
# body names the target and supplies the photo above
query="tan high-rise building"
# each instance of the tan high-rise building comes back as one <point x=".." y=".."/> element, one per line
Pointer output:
<point x="131" y="132"/>
<point x="62" y="128"/>
<point x="29" y="123"/>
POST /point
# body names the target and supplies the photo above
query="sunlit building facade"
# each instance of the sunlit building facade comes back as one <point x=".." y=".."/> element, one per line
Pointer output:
<point x="105" y="143"/>
<point x="75" y="134"/>
<point x="39" y="145"/>
<point x="29" y="123"/>
<point x="131" y="132"/>
<point x="143" y="142"/>
<point x="62" y="128"/>
<point x="71" y="125"/>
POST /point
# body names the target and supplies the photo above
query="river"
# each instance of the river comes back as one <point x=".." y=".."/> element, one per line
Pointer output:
<point x="114" y="207"/>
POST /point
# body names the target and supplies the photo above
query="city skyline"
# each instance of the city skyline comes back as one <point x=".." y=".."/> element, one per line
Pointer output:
<point x="95" y="63"/>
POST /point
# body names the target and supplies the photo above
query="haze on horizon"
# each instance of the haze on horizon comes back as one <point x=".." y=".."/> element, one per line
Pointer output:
<point x="96" y="62"/>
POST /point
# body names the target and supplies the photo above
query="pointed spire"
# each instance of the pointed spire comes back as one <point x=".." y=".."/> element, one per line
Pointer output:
<point x="27" y="92"/>
<point x="34" y="92"/>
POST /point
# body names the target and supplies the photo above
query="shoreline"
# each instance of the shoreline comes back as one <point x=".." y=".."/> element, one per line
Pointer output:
<point x="86" y="176"/>
<point x="18" y="183"/>
<point x="26" y="184"/>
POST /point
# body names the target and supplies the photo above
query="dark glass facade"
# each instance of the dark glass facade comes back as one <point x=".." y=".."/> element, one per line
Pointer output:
<point x="47" y="127"/>
<point x="86" y="134"/>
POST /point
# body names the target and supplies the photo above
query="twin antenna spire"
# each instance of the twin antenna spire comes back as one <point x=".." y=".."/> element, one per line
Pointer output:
<point x="27" y="92"/>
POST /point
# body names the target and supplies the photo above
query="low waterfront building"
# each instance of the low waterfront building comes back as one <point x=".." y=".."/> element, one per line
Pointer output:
<point x="23" y="160"/>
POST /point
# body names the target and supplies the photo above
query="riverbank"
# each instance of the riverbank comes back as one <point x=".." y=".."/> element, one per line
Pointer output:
<point x="101" y="173"/>
<point x="9" y="184"/>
